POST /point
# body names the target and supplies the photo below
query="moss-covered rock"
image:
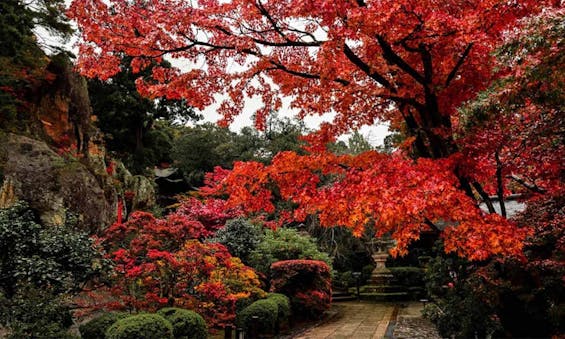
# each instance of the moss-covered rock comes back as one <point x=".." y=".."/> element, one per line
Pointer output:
<point x="56" y="186"/>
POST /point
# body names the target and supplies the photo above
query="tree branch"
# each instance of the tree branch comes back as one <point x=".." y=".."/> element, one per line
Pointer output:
<point x="367" y="69"/>
<point x="484" y="196"/>
<point x="455" y="69"/>
<point x="499" y="184"/>
<point x="394" y="58"/>
<point x="531" y="187"/>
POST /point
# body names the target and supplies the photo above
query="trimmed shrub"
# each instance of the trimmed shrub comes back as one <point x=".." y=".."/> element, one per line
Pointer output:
<point x="96" y="328"/>
<point x="285" y="244"/>
<point x="343" y="279"/>
<point x="307" y="281"/>
<point x="186" y="323"/>
<point x="266" y="311"/>
<point x="283" y="303"/>
<point x="408" y="276"/>
<point x="146" y="326"/>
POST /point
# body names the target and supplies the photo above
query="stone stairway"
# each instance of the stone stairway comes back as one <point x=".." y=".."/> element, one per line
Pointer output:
<point x="342" y="295"/>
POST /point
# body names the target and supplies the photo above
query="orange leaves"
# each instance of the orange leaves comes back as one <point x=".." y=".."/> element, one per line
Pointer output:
<point x="482" y="238"/>
<point x="325" y="55"/>
<point x="390" y="193"/>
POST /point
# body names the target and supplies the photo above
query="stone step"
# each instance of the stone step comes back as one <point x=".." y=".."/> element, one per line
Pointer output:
<point x="344" y="298"/>
<point x="380" y="289"/>
<point x="340" y="294"/>
<point x="393" y="296"/>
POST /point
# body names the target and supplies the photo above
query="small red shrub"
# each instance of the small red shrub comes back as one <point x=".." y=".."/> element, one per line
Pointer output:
<point x="306" y="282"/>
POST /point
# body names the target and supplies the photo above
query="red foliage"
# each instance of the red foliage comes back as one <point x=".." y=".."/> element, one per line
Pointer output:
<point x="212" y="214"/>
<point x="409" y="63"/>
<point x="306" y="282"/>
<point x="159" y="262"/>
<point x="394" y="60"/>
<point x="110" y="169"/>
<point x="390" y="193"/>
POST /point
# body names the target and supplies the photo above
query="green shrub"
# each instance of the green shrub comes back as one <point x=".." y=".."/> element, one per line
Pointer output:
<point x="408" y="276"/>
<point x="343" y="279"/>
<point x="266" y="311"/>
<point x="96" y="328"/>
<point x="186" y="323"/>
<point x="57" y="258"/>
<point x="283" y="303"/>
<point x="35" y="313"/>
<point x="146" y="326"/>
<point x="285" y="244"/>
<point x="240" y="237"/>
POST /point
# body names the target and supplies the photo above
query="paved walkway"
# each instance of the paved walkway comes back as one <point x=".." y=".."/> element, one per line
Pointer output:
<point x="366" y="320"/>
<point x="359" y="320"/>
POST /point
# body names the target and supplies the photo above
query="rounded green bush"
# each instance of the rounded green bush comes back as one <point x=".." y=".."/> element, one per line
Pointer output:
<point x="283" y="303"/>
<point x="186" y="323"/>
<point x="259" y="317"/>
<point x="96" y="328"/>
<point x="146" y="326"/>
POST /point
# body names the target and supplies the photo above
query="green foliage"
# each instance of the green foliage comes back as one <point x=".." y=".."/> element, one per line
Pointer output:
<point x="199" y="149"/>
<point x="136" y="129"/>
<point x="356" y="144"/>
<point x="343" y="279"/>
<point x="283" y="303"/>
<point x="35" y="313"/>
<point x="459" y="309"/>
<point x="283" y="134"/>
<point x="147" y="326"/>
<point x="96" y="328"/>
<point x="240" y="237"/>
<point x="186" y="324"/>
<point x="285" y="244"/>
<point x="366" y="272"/>
<point x="56" y="257"/>
<point x="408" y="276"/>
<point x="38" y="266"/>
<point x="259" y="317"/>
<point x="21" y="59"/>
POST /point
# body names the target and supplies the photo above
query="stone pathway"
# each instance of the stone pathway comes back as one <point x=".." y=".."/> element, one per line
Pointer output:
<point x="366" y="320"/>
<point x="360" y="320"/>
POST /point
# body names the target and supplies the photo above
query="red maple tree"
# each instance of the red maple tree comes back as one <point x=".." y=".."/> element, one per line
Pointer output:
<point x="411" y="63"/>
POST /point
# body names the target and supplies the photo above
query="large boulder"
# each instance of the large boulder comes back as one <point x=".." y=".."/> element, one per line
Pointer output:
<point x="138" y="190"/>
<point x="54" y="185"/>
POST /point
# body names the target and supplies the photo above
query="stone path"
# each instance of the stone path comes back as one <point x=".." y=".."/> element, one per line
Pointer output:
<point x="366" y="320"/>
<point x="360" y="320"/>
